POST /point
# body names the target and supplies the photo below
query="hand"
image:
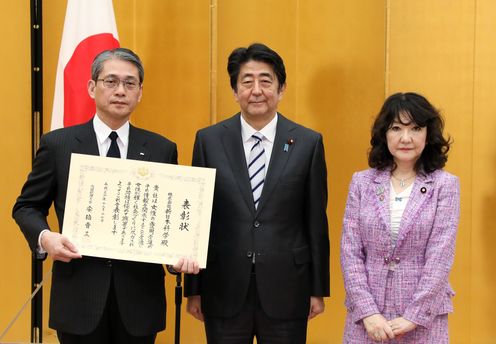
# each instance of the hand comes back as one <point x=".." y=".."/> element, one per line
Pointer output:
<point x="59" y="247"/>
<point x="193" y="307"/>
<point x="186" y="266"/>
<point x="400" y="326"/>
<point x="317" y="306"/>
<point x="378" y="328"/>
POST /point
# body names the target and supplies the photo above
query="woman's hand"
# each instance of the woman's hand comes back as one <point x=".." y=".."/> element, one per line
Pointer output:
<point x="400" y="326"/>
<point x="378" y="328"/>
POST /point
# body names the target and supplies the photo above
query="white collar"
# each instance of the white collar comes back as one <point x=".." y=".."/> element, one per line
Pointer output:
<point x="269" y="131"/>
<point x="102" y="131"/>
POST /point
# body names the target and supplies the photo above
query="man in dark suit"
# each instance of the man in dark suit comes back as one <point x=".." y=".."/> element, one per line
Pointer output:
<point x="268" y="261"/>
<point x="95" y="300"/>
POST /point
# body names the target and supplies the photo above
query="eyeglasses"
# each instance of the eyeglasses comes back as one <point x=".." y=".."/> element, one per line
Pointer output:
<point x="113" y="83"/>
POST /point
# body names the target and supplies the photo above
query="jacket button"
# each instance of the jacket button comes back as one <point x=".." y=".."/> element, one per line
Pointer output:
<point x="397" y="260"/>
<point x="249" y="254"/>
<point x="256" y="224"/>
<point x="109" y="263"/>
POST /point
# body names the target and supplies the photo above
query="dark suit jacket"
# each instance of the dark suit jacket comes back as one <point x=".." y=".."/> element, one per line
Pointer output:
<point x="80" y="288"/>
<point x="288" y="233"/>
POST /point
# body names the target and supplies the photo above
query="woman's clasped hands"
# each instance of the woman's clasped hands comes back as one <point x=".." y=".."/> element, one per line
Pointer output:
<point x="379" y="329"/>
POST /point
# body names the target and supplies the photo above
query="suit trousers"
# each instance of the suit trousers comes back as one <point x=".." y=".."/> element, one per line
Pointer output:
<point x="253" y="322"/>
<point x="110" y="329"/>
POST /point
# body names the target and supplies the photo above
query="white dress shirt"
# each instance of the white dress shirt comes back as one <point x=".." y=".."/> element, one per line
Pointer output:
<point x="102" y="132"/>
<point x="397" y="205"/>
<point x="269" y="134"/>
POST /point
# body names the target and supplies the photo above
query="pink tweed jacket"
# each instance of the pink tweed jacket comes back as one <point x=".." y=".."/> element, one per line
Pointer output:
<point x="424" y="251"/>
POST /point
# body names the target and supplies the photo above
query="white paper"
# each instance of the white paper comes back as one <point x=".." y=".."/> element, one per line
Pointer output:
<point x="138" y="210"/>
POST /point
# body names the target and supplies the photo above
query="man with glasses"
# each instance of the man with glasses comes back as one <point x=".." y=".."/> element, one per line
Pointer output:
<point x="96" y="300"/>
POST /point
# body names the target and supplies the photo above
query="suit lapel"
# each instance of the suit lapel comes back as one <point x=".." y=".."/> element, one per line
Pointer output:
<point x="278" y="159"/>
<point x="233" y="147"/>
<point x="382" y="189"/>
<point x="421" y="191"/>
<point x="137" y="149"/>
<point x="86" y="142"/>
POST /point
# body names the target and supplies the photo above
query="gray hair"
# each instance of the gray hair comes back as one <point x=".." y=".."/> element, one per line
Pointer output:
<point x="120" y="54"/>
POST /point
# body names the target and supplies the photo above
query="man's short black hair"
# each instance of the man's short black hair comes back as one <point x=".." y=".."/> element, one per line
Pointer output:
<point x="256" y="52"/>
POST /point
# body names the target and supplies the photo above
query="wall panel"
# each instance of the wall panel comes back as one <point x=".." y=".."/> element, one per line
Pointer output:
<point x="431" y="51"/>
<point x="241" y="23"/>
<point x="15" y="142"/>
<point x="483" y="220"/>
<point x="173" y="38"/>
<point x="339" y="83"/>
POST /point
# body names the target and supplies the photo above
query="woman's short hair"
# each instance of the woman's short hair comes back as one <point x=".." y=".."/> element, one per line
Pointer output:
<point x="419" y="111"/>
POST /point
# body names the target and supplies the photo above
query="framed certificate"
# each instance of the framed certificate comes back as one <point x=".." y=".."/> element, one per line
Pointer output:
<point x="138" y="210"/>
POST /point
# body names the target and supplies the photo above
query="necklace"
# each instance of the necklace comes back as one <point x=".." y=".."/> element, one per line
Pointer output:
<point x="402" y="181"/>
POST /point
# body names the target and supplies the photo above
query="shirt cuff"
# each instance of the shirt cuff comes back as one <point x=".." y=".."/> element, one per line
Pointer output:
<point x="40" y="249"/>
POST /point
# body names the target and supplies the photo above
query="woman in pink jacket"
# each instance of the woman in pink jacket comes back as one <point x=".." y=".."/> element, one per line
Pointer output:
<point x="399" y="230"/>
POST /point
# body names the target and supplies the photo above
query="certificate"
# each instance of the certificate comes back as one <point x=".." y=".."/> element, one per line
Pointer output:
<point x="138" y="210"/>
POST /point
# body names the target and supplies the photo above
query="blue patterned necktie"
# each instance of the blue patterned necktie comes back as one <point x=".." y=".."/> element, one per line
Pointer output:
<point x="256" y="168"/>
<point x="113" y="151"/>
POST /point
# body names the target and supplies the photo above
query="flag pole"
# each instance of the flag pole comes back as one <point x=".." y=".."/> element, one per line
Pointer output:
<point x="36" y="131"/>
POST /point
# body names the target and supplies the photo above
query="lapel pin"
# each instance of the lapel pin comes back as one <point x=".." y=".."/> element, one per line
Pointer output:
<point x="423" y="189"/>
<point x="287" y="144"/>
<point x="380" y="192"/>
<point x="141" y="153"/>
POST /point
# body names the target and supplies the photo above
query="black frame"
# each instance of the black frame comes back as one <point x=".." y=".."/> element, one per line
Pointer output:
<point x="36" y="131"/>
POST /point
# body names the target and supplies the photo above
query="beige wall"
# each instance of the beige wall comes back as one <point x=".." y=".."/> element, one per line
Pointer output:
<point x="15" y="144"/>
<point x="342" y="59"/>
<point x="445" y="49"/>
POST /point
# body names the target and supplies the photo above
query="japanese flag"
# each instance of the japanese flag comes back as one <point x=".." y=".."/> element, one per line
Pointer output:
<point x="89" y="28"/>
